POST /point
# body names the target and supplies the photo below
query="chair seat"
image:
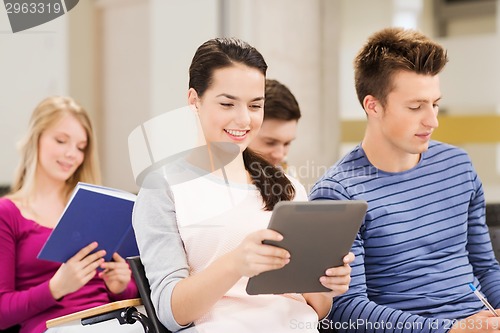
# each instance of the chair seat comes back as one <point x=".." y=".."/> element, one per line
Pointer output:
<point x="98" y="310"/>
<point x="124" y="311"/>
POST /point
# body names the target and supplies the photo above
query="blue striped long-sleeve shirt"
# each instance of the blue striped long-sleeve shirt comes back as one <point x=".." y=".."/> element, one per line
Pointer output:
<point x="424" y="239"/>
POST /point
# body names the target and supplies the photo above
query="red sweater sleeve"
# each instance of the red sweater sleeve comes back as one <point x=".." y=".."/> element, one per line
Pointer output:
<point x="16" y="306"/>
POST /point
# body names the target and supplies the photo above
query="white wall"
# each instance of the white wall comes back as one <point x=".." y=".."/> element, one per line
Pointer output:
<point x="300" y="48"/>
<point x="470" y="80"/>
<point x="294" y="46"/>
<point x="125" y="82"/>
<point x="178" y="27"/>
<point x="33" y="65"/>
<point x="147" y="46"/>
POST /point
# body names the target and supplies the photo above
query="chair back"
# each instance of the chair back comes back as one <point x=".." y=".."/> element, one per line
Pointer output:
<point x="493" y="223"/>
<point x="145" y="292"/>
<point x="4" y="189"/>
<point x="13" y="329"/>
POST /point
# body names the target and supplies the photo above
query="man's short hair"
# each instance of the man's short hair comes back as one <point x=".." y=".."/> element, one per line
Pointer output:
<point x="389" y="51"/>
<point x="280" y="103"/>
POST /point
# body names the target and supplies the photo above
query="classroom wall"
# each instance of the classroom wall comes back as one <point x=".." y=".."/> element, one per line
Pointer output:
<point x="174" y="30"/>
<point x="301" y="49"/>
<point x="33" y="65"/>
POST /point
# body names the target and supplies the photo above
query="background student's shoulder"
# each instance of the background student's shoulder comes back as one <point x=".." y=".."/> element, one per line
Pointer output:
<point x="300" y="190"/>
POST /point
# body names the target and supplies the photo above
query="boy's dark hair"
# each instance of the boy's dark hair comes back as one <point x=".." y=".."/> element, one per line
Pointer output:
<point x="280" y="103"/>
<point x="392" y="50"/>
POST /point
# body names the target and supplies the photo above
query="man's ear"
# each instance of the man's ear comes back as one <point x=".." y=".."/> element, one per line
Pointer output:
<point x="193" y="99"/>
<point x="372" y="106"/>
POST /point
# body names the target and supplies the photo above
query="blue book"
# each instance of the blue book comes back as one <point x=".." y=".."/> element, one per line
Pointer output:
<point x="93" y="213"/>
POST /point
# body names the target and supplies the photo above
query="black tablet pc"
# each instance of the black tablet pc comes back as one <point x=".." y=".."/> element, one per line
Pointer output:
<point x="318" y="234"/>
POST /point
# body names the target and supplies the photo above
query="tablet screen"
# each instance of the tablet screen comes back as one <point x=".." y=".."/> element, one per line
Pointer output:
<point x="318" y="234"/>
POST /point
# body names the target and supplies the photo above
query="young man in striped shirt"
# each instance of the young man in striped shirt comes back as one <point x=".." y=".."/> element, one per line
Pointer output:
<point x="424" y="238"/>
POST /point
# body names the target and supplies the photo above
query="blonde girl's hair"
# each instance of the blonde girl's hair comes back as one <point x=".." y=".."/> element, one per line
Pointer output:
<point x="46" y="114"/>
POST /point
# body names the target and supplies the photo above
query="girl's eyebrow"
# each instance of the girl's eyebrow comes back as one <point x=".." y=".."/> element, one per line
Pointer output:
<point x="261" y="98"/>
<point x="67" y="136"/>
